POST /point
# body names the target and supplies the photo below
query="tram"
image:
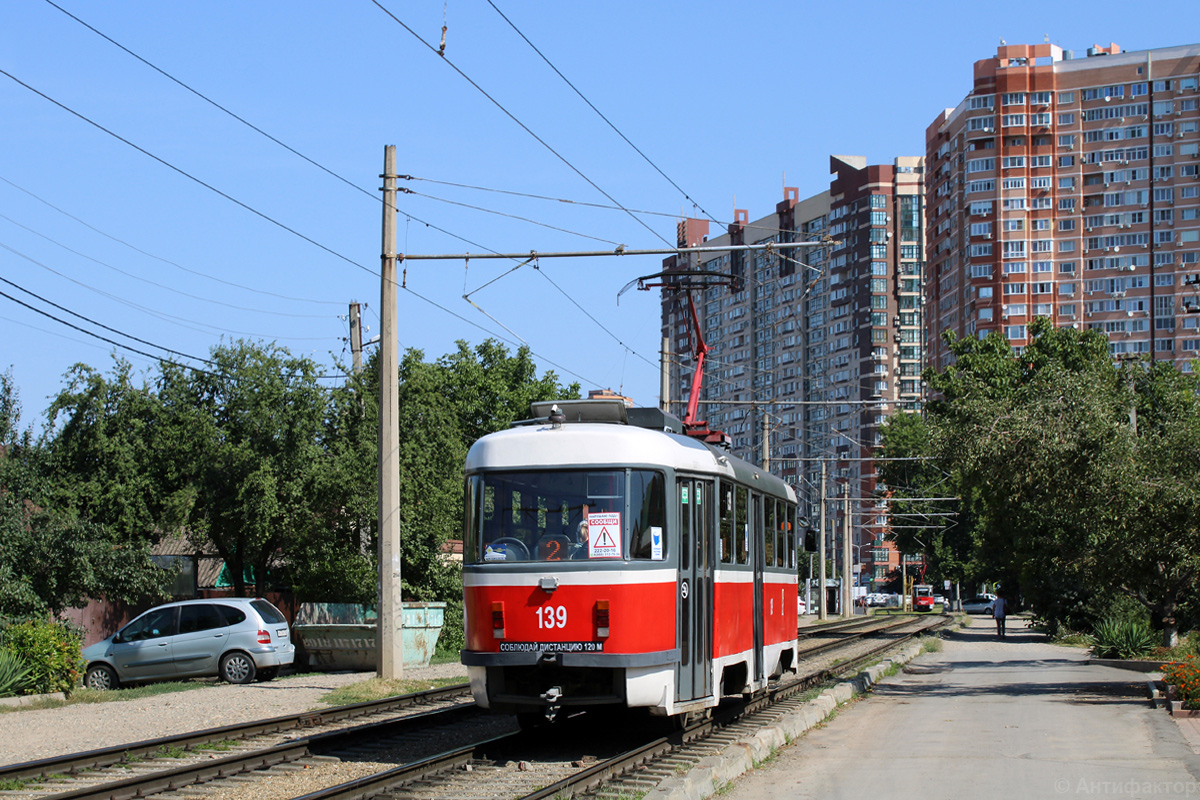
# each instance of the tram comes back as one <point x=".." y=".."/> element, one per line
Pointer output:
<point x="609" y="559"/>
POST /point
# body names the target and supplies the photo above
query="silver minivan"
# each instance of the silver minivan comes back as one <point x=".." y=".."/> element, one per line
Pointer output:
<point x="237" y="639"/>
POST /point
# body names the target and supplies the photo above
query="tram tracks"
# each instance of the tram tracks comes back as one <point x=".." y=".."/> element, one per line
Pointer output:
<point x="220" y="752"/>
<point x="381" y="759"/>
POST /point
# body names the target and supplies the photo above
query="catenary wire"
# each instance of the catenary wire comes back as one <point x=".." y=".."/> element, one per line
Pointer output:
<point x="522" y="125"/>
<point x="598" y="112"/>
<point x="253" y="127"/>
<point x="293" y="150"/>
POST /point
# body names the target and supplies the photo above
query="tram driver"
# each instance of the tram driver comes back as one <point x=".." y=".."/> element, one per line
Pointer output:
<point x="579" y="549"/>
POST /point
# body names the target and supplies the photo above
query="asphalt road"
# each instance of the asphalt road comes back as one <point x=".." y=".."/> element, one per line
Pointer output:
<point x="985" y="718"/>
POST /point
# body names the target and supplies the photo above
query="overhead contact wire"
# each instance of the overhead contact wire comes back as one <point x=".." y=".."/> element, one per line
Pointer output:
<point x="521" y="124"/>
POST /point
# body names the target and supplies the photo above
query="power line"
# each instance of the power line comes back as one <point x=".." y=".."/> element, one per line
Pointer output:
<point x="188" y="175"/>
<point x="599" y="113"/>
<point x="547" y="198"/>
<point x="473" y="324"/>
<point x="136" y="249"/>
<point x="522" y="125"/>
<point x="510" y="216"/>
<point x="155" y="283"/>
<point x="99" y="324"/>
<point x="157" y="314"/>
<point x="252" y="126"/>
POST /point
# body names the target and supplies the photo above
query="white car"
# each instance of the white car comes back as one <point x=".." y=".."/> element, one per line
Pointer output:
<point x="801" y="608"/>
<point x="980" y="604"/>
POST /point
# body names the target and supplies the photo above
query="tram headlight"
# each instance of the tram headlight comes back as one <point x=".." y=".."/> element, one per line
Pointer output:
<point x="600" y="612"/>
<point x="498" y="620"/>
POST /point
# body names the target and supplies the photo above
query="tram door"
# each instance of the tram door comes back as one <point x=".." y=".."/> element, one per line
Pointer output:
<point x="757" y="558"/>
<point x="697" y="509"/>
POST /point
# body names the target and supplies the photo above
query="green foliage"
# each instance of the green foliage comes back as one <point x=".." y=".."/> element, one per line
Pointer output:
<point x="256" y="461"/>
<point x="14" y="673"/>
<point x="52" y="652"/>
<point x="245" y="437"/>
<point x="51" y="562"/>
<point x="1115" y="638"/>
<point x="1079" y="480"/>
<point x="104" y="459"/>
<point x="452" y="638"/>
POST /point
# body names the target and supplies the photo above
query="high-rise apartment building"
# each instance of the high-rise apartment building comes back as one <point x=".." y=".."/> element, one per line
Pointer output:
<point x="815" y="346"/>
<point x="1069" y="188"/>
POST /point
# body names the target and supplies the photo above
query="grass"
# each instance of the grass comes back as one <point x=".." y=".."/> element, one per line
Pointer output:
<point x="930" y="644"/>
<point x="378" y="689"/>
<point x="85" y="695"/>
<point x="1074" y="639"/>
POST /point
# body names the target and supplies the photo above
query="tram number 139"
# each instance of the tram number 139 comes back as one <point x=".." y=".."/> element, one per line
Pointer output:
<point x="552" y="617"/>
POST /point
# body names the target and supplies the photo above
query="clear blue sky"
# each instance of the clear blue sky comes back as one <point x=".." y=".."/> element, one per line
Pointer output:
<point x="731" y="101"/>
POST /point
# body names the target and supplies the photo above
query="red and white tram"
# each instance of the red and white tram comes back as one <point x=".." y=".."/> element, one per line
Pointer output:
<point x="611" y="560"/>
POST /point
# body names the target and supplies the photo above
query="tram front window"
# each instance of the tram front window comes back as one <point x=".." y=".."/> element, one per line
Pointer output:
<point x="555" y="515"/>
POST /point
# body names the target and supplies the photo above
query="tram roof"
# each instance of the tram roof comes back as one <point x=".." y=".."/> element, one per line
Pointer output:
<point x="606" y="444"/>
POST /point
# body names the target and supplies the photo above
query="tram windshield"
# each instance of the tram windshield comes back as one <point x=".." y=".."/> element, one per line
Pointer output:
<point x="561" y="515"/>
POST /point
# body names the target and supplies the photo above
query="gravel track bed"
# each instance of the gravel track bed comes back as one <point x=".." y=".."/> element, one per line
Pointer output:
<point x="31" y="734"/>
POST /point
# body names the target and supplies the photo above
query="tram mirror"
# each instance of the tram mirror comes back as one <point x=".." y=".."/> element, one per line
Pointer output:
<point x="810" y="540"/>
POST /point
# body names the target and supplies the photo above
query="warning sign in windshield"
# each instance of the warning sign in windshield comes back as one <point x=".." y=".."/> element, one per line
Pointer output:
<point x="604" y="535"/>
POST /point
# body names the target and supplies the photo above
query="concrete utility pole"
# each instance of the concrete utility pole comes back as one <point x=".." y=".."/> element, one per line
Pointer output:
<point x="356" y="338"/>
<point x="664" y="385"/>
<point x="824" y="611"/>
<point x="766" y="444"/>
<point x="847" y="590"/>
<point x="391" y="614"/>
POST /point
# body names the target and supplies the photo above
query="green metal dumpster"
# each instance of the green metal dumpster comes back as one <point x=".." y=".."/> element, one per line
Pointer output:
<point x="341" y="636"/>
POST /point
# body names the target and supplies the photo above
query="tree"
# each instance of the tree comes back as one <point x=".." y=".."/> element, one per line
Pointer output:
<point x="50" y="559"/>
<point x="245" y="435"/>
<point x="104" y="456"/>
<point x="1083" y="476"/>
<point x="909" y="469"/>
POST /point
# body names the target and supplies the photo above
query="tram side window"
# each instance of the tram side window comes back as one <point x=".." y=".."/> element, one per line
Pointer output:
<point x="793" y="532"/>
<point x="727" y="524"/>
<point x="782" y="533"/>
<point x="768" y="532"/>
<point x="741" y="505"/>
<point x="648" y="515"/>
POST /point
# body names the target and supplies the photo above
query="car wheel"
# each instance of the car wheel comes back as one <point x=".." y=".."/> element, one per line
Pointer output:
<point x="267" y="673"/>
<point x="101" y="677"/>
<point x="237" y="668"/>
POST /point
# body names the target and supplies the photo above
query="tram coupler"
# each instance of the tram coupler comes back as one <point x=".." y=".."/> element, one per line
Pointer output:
<point x="552" y="696"/>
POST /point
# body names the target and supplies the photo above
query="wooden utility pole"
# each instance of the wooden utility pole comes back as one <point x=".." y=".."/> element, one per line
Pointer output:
<point x="847" y="591"/>
<point x="391" y="614"/>
<point x="824" y="614"/>
<point x="356" y="337"/>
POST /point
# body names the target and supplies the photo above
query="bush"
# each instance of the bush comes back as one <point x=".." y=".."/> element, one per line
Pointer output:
<point x="1123" y="639"/>
<point x="1185" y="676"/>
<point x="52" y="651"/>
<point x="452" y="638"/>
<point x="14" y="673"/>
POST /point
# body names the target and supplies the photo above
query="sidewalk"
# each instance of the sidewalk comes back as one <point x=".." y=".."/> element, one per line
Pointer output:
<point x="987" y="718"/>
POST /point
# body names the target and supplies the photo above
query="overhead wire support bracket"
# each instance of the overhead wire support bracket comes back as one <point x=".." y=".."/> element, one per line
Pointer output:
<point x="619" y="251"/>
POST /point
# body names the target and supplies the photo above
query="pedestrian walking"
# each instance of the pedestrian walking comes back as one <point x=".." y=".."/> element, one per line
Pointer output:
<point x="999" y="611"/>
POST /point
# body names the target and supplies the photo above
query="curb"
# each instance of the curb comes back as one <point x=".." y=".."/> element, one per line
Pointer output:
<point x="30" y="699"/>
<point x="714" y="772"/>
